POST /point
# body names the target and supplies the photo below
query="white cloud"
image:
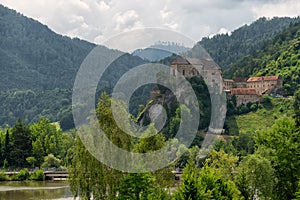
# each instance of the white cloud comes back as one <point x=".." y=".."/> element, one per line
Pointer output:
<point x="97" y="20"/>
<point x="127" y="21"/>
<point x="102" y="6"/>
<point x="279" y="8"/>
<point x="223" y="31"/>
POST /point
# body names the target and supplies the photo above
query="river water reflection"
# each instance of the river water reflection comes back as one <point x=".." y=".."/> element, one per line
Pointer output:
<point x="35" y="191"/>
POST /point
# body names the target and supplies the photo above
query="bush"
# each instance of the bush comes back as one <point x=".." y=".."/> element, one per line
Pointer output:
<point x="51" y="161"/>
<point x="22" y="175"/>
<point x="266" y="100"/>
<point x="37" y="175"/>
<point x="253" y="106"/>
<point x="3" y="177"/>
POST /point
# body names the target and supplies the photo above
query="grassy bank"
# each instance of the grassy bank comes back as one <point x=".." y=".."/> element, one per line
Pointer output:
<point x="23" y="175"/>
<point x="263" y="118"/>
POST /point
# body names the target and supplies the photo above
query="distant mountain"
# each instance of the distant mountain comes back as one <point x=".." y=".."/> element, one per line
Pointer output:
<point x="38" y="68"/>
<point x="280" y="56"/>
<point x="159" y="51"/>
<point x="227" y="49"/>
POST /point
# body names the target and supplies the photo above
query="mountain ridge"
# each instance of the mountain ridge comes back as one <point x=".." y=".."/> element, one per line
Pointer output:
<point x="279" y="56"/>
<point x="38" y="68"/>
<point x="227" y="49"/>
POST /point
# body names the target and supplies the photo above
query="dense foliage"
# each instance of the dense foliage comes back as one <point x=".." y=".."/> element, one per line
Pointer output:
<point x="38" y="68"/>
<point x="36" y="75"/>
<point x="240" y="119"/>
<point x="34" y="57"/>
<point x="41" y="145"/>
<point x="227" y="49"/>
<point x="261" y="164"/>
<point x="89" y="177"/>
<point x="171" y="105"/>
<point x="31" y="105"/>
<point x="278" y="57"/>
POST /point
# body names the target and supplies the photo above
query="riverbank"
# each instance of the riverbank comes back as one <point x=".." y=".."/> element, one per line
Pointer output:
<point x="34" y="190"/>
<point x="22" y="175"/>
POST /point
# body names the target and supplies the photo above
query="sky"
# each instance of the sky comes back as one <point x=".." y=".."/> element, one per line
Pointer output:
<point x="99" y="20"/>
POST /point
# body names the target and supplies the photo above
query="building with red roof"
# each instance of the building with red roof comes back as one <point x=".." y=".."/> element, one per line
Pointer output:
<point x="245" y="95"/>
<point x="265" y="84"/>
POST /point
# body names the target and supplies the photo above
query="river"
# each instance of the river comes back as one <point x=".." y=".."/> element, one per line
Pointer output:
<point x="35" y="191"/>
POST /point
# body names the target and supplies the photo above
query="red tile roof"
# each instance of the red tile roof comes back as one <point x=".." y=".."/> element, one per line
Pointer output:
<point x="240" y="79"/>
<point x="263" y="78"/>
<point x="243" y="91"/>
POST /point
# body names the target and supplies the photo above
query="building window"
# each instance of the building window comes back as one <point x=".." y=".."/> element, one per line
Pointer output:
<point x="173" y="72"/>
<point x="183" y="72"/>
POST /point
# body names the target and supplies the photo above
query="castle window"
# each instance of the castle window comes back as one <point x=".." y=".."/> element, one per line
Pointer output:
<point x="183" y="72"/>
<point x="173" y="72"/>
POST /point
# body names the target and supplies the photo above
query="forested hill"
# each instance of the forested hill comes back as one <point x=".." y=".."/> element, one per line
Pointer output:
<point x="227" y="49"/>
<point x="34" y="57"/>
<point x="38" y="68"/>
<point x="281" y="56"/>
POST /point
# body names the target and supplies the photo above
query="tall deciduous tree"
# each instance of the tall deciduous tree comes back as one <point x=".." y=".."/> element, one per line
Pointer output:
<point x="136" y="187"/>
<point x="205" y="184"/>
<point x="282" y="142"/>
<point x="88" y="176"/>
<point x="45" y="135"/>
<point x="224" y="164"/>
<point x="214" y="186"/>
<point x="152" y="141"/>
<point x="297" y="107"/>
<point x="256" y="177"/>
<point x="189" y="188"/>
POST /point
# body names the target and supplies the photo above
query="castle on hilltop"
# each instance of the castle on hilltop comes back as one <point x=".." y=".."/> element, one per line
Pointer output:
<point x="244" y="89"/>
<point x="190" y="67"/>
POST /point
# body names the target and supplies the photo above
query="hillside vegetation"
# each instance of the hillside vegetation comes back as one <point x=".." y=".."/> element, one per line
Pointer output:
<point x="262" y="119"/>
<point x="38" y="68"/>
<point x="34" y="57"/>
<point x="227" y="49"/>
<point x="281" y="56"/>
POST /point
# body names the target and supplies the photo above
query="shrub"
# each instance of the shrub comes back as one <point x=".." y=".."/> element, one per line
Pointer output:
<point x="254" y="107"/>
<point x="22" y="175"/>
<point x="51" y="161"/>
<point x="37" y="175"/>
<point x="266" y="100"/>
<point x="3" y="177"/>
